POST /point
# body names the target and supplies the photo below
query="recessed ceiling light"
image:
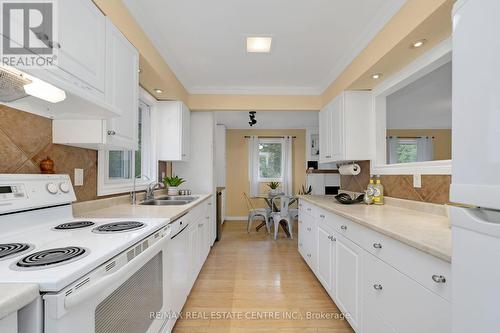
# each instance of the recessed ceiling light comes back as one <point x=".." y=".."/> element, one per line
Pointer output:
<point x="418" y="43"/>
<point x="158" y="91"/>
<point x="377" y="76"/>
<point x="259" y="44"/>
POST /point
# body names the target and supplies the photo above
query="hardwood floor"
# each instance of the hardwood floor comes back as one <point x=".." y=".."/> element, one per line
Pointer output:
<point x="251" y="275"/>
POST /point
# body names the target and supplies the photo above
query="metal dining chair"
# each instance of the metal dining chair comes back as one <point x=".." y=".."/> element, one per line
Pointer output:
<point x="256" y="212"/>
<point x="284" y="214"/>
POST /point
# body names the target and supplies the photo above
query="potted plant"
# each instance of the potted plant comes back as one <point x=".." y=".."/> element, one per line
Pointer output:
<point x="274" y="189"/>
<point x="172" y="184"/>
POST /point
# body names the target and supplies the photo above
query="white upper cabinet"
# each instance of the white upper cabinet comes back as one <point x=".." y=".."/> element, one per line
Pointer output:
<point x="344" y="128"/>
<point x="173" y="126"/>
<point x="82" y="41"/>
<point x="122" y="96"/>
<point x="122" y="88"/>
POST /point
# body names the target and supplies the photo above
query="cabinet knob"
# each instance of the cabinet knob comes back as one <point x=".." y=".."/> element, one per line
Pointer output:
<point x="111" y="132"/>
<point x="439" y="279"/>
<point x="377" y="245"/>
<point x="344" y="227"/>
<point x="377" y="286"/>
<point x="330" y="237"/>
<point x="309" y="255"/>
<point x="308" y="229"/>
<point x="322" y="216"/>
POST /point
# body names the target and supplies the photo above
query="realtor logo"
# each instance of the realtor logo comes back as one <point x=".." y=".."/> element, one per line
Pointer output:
<point x="28" y="33"/>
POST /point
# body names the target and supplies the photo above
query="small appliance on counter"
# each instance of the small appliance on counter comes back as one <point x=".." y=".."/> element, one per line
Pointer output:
<point x="346" y="199"/>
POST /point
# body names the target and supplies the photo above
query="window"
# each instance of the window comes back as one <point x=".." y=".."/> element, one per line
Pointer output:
<point x="119" y="166"/>
<point x="406" y="151"/>
<point x="270" y="160"/>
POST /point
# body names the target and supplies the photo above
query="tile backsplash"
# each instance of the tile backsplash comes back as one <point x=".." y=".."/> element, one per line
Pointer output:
<point x="26" y="139"/>
<point x="435" y="188"/>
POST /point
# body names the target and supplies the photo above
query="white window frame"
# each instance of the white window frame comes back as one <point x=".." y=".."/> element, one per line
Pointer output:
<point x="106" y="186"/>
<point x="433" y="59"/>
<point x="268" y="180"/>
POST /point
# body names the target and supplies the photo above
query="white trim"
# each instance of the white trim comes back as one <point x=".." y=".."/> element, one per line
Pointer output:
<point x="433" y="59"/>
<point x="243" y="90"/>
<point x="235" y="218"/>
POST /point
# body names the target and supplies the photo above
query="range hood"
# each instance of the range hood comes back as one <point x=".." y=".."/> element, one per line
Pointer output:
<point x="15" y="85"/>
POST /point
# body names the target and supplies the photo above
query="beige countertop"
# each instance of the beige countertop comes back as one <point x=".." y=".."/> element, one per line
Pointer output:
<point x="14" y="296"/>
<point x="423" y="226"/>
<point x="121" y="208"/>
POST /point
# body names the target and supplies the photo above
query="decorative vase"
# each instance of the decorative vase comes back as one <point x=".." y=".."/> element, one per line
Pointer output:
<point x="274" y="192"/>
<point x="173" y="190"/>
<point x="47" y="166"/>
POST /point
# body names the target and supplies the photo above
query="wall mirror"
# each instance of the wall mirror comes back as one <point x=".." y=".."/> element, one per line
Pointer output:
<point x="413" y="117"/>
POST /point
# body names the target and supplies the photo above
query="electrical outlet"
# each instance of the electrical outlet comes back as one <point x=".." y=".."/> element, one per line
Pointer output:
<point x="78" y="177"/>
<point x="417" y="180"/>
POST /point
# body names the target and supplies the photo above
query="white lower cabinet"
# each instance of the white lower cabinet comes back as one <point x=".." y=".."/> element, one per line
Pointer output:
<point x="326" y="256"/>
<point x="380" y="284"/>
<point x="400" y="303"/>
<point x="348" y="273"/>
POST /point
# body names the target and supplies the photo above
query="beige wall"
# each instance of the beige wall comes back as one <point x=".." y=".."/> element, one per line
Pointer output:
<point x="237" y="166"/>
<point x="442" y="139"/>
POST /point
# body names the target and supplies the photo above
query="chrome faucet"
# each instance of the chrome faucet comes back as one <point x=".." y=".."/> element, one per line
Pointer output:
<point x="133" y="194"/>
<point x="151" y="188"/>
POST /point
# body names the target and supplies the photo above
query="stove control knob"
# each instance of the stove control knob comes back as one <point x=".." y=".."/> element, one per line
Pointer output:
<point x="52" y="188"/>
<point x="64" y="187"/>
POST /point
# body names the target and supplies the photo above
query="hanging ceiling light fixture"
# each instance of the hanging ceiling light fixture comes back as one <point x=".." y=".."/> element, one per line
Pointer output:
<point x="252" y="121"/>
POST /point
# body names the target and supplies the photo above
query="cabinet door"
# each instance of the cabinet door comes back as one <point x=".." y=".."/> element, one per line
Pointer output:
<point x="348" y="263"/>
<point x="302" y="236"/>
<point x="186" y="132"/>
<point x="122" y="89"/>
<point x="400" y="302"/>
<point x="310" y="242"/>
<point x="337" y="125"/>
<point x="82" y="41"/>
<point x="193" y="254"/>
<point x="325" y="256"/>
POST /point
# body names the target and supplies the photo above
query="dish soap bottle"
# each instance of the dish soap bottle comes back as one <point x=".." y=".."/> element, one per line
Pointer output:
<point x="370" y="191"/>
<point x="378" y="192"/>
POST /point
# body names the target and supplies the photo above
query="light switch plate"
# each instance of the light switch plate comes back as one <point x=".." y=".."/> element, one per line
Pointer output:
<point x="417" y="180"/>
<point x="78" y="177"/>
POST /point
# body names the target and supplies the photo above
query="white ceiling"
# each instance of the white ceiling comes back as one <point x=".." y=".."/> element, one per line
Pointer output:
<point x="268" y="119"/>
<point x="424" y="103"/>
<point x="204" y="42"/>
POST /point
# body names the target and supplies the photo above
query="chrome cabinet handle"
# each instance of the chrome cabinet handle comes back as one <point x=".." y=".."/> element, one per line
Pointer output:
<point x="309" y="209"/>
<point x="377" y="286"/>
<point x="328" y="156"/>
<point x="344" y="227"/>
<point x="330" y="237"/>
<point x="111" y="132"/>
<point x="377" y="245"/>
<point x="334" y="239"/>
<point x="309" y="255"/>
<point x="308" y="229"/>
<point x="322" y="216"/>
<point x="438" y="279"/>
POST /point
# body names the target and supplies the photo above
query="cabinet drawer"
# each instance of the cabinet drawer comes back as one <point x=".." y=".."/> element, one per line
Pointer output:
<point x="424" y="268"/>
<point x="307" y="208"/>
<point x="401" y="303"/>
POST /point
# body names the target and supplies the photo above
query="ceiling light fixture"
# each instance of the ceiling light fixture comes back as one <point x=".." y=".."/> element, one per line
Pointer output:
<point x="377" y="76"/>
<point x="252" y="121"/>
<point x="418" y="43"/>
<point x="259" y="44"/>
<point x="158" y="91"/>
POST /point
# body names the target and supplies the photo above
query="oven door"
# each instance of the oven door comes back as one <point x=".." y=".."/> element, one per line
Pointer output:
<point x="130" y="297"/>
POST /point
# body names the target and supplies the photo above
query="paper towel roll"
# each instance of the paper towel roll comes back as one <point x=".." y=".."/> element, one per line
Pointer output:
<point x="350" y="169"/>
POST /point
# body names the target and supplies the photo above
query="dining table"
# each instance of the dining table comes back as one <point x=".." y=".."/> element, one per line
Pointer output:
<point x="269" y="201"/>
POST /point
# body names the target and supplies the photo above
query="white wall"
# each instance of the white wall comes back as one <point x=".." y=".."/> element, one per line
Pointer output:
<point x="425" y="103"/>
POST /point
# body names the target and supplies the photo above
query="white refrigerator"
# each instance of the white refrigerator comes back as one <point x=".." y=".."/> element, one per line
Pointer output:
<point x="476" y="167"/>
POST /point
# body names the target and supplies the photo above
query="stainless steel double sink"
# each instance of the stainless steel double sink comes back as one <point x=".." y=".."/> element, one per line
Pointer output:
<point x="170" y="201"/>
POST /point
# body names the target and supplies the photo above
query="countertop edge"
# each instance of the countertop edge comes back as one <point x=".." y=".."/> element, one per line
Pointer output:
<point x="15" y="296"/>
<point x="419" y="246"/>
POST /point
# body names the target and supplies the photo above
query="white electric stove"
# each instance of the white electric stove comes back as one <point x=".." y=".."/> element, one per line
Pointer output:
<point x="94" y="275"/>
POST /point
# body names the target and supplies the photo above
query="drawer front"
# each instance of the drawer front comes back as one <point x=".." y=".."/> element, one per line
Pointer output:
<point x="429" y="271"/>
<point x="401" y="303"/>
<point x="307" y="208"/>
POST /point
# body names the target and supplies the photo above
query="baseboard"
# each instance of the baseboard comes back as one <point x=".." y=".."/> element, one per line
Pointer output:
<point x="235" y="218"/>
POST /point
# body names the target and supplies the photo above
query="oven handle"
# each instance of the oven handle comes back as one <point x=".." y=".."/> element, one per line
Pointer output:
<point x="107" y="281"/>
